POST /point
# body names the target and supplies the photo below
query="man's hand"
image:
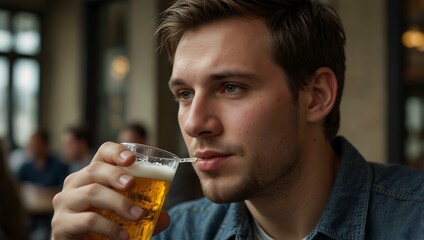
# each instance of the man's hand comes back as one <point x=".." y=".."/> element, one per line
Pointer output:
<point x="93" y="188"/>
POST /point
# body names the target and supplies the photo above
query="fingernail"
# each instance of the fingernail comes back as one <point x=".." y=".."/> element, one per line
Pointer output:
<point x="124" y="235"/>
<point x="136" y="211"/>
<point x="124" y="179"/>
<point x="125" y="154"/>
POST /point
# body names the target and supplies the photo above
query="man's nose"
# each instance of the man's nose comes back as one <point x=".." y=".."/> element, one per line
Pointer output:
<point x="201" y="118"/>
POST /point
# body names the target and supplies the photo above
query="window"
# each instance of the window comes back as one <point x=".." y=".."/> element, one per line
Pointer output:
<point x="413" y="81"/>
<point x="107" y="67"/>
<point x="20" y="47"/>
<point x="4" y="88"/>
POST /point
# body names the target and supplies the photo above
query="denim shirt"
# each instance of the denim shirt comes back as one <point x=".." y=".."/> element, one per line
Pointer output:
<point x="368" y="201"/>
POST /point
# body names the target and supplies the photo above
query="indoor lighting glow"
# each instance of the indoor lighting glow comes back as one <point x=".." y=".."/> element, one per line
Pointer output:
<point x="120" y="67"/>
<point x="413" y="38"/>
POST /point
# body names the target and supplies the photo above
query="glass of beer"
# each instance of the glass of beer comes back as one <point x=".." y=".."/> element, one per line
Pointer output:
<point x="153" y="171"/>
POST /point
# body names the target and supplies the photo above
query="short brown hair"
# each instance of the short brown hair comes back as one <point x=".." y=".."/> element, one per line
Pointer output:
<point x="305" y="35"/>
<point x="82" y="133"/>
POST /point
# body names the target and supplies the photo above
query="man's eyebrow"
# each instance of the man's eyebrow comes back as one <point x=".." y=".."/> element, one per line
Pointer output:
<point x="175" y="82"/>
<point x="217" y="77"/>
<point x="233" y="74"/>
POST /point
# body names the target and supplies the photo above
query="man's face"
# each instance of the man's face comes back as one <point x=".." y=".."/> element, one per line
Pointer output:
<point x="129" y="136"/>
<point x="71" y="147"/>
<point x="235" y="110"/>
<point x="37" y="147"/>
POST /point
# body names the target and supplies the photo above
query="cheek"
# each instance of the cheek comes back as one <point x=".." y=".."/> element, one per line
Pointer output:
<point x="181" y="119"/>
<point x="187" y="139"/>
<point x="260" y="121"/>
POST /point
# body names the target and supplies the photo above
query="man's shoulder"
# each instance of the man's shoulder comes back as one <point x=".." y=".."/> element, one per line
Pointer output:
<point x="398" y="181"/>
<point x="27" y="167"/>
<point x="397" y="203"/>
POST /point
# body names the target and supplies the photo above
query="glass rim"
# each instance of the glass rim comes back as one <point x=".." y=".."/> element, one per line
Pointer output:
<point x="174" y="156"/>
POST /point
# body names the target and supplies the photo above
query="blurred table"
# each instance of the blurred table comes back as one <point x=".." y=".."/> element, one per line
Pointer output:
<point x="37" y="200"/>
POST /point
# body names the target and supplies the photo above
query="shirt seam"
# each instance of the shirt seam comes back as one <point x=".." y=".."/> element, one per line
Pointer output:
<point x="396" y="195"/>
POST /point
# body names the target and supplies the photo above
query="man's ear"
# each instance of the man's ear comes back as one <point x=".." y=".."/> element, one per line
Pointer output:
<point x="322" y="90"/>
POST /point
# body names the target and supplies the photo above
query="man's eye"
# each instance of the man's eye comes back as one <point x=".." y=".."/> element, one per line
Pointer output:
<point x="184" y="95"/>
<point x="232" y="88"/>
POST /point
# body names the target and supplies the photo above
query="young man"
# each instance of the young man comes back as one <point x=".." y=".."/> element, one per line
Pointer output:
<point x="259" y="85"/>
<point x="133" y="132"/>
<point x="78" y="147"/>
<point x="40" y="178"/>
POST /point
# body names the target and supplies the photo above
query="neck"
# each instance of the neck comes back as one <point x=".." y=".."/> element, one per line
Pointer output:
<point x="294" y="212"/>
<point x="40" y="161"/>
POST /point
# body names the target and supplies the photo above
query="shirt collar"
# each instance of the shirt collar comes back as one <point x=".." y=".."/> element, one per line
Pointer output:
<point x="346" y="212"/>
<point x="237" y="223"/>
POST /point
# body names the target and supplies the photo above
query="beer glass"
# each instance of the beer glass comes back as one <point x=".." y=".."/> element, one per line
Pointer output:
<point x="153" y="171"/>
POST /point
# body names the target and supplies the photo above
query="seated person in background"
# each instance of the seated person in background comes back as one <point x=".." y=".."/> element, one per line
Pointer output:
<point x="134" y="133"/>
<point x="13" y="224"/>
<point x="40" y="178"/>
<point x="78" y="147"/>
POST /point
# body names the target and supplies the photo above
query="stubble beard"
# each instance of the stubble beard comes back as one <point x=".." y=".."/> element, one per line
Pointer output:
<point x="282" y="182"/>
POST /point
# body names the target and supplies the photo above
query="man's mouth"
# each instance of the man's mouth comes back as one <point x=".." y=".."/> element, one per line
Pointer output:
<point x="210" y="160"/>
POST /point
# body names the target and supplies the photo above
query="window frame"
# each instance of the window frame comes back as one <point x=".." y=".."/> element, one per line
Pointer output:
<point x="12" y="56"/>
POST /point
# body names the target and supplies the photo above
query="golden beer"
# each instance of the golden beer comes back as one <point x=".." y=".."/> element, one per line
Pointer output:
<point x="152" y="185"/>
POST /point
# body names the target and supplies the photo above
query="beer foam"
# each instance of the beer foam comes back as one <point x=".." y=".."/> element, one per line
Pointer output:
<point x="146" y="170"/>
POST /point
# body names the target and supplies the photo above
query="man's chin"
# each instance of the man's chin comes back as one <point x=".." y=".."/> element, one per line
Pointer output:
<point x="219" y="195"/>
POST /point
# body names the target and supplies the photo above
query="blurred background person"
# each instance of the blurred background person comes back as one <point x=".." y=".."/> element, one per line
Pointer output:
<point x="78" y="147"/>
<point x="133" y="133"/>
<point x="40" y="178"/>
<point x="13" y="222"/>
